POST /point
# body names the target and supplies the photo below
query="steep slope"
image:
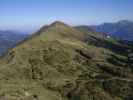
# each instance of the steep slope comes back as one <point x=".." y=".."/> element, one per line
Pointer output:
<point x="59" y="63"/>
<point x="121" y="30"/>
<point x="90" y="31"/>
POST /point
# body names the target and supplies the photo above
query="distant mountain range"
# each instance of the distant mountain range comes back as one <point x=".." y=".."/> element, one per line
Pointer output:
<point x="9" y="39"/>
<point x="122" y="30"/>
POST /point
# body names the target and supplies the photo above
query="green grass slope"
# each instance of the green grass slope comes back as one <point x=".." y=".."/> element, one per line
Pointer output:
<point x="61" y="63"/>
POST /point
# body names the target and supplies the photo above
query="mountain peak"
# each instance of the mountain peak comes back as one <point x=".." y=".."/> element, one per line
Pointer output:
<point x="60" y="30"/>
<point x="54" y="24"/>
<point x="58" y="23"/>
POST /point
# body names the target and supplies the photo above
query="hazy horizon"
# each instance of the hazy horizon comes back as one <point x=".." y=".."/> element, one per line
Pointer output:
<point x="32" y="14"/>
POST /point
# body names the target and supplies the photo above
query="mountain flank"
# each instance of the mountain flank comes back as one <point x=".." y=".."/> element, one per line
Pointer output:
<point x="60" y="62"/>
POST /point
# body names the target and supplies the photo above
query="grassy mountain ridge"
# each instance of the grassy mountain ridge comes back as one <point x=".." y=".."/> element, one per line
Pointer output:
<point x="60" y="62"/>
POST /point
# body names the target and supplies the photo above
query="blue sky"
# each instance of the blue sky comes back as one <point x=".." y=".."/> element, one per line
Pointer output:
<point x="25" y="14"/>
